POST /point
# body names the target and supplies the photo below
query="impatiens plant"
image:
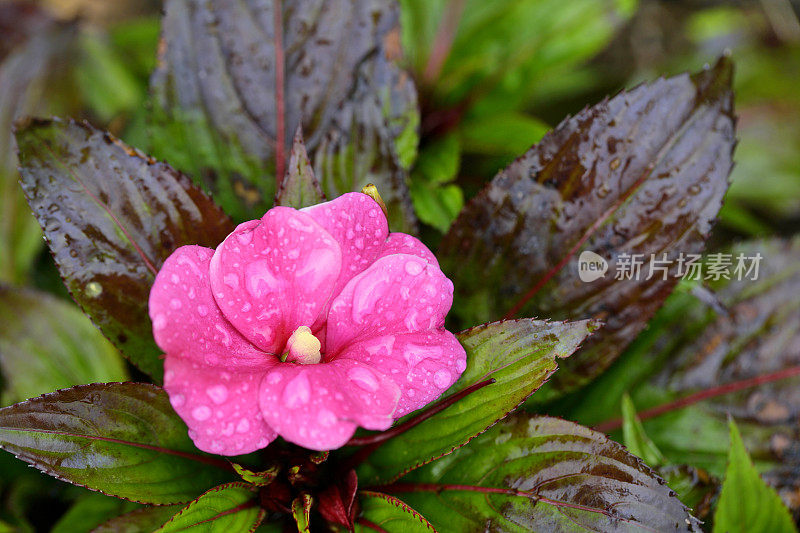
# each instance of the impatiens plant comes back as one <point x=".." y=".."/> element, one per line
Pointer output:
<point x="293" y="357"/>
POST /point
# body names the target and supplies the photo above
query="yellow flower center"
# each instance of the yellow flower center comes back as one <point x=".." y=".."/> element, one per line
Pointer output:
<point x="303" y="347"/>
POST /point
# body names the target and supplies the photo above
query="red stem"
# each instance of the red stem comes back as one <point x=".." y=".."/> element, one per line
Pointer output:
<point x="438" y="407"/>
<point x="616" y="423"/>
<point x="572" y="251"/>
<point x="443" y="42"/>
<point x="280" y="103"/>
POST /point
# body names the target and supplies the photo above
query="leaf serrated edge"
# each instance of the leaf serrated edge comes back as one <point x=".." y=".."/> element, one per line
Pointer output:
<point x="240" y="484"/>
<point x="400" y="504"/>
<point x="47" y="470"/>
<point x="590" y="322"/>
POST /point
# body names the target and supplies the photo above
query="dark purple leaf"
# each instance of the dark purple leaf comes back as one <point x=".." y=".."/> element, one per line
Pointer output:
<point x="755" y="334"/>
<point x="235" y="81"/>
<point x="542" y="474"/>
<point x="641" y="173"/>
<point x="111" y="216"/>
<point x="34" y="52"/>
<point x="122" y="439"/>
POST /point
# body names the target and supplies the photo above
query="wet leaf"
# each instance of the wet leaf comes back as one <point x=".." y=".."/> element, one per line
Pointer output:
<point x="228" y="507"/>
<point x="140" y="520"/>
<point x="33" y="54"/>
<point x="218" y="111"/>
<point x="390" y="514"/>
<point x="543" y="474"/>
<point x="641" y="173"/>
<point x="47" y="344"/>
<point x="520" y="355"/>
<point x="122" y="439"/>
<point x="111" y="217"/>
<point x="755" y="334"/>
<point x="747" y="504"/>
<point x="299" y="187"/>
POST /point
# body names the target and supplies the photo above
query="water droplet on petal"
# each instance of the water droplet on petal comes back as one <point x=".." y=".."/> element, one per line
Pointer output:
<point x="441" y="378"/>
<point x="326" y="418"/>
<point x="363" y="378"/>
<point x="231" y="280"/>
<point x="217" y="393"/>
<point x="244" y="237"/>
<point x="159" y="322"/>
<point x="243" y="426"/>
<point x="177" y="400"/>
<point x="202" y="310"/>
<point x="175" y="304"/>
<point x="201" y="413"/>
<point x="413" y="268"/>
<point x="297" y="392"/>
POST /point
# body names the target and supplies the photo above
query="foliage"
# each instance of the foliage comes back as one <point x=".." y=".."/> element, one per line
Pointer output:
<point x="290" y="102"/>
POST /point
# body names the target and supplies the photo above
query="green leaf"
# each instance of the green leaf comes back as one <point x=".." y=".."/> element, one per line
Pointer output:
<point x="299" y="188"/>
<point x="122" y="439"/>
<point x="217" y="110"/>
<point x="47" y="344"/>
<point x="597" y="183"/>
<point x="301" y="512"/>
<point x="508" y="133"/>
<point x="111" y="217"/>
<point x="229" y="507"/>
<point x="89" y="511"/>
<point x="506" y="48"/>
<point x="33" y="56"/>
<point x="634" y="436"/>
<point x="142" y="520"/>
<point x="542" y="474"/>
<point x="390" y="514"/>
<point x="261" y="478"/>
<point x="746" y="503"/>
<point x="437" y="201"/>
<point x="520" y="355"/>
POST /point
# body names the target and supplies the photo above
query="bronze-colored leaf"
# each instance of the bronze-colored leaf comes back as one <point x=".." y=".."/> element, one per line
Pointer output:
<point x="641" y="173"/>
<point x="111" y="216"/>
<point x="237" y="78"/>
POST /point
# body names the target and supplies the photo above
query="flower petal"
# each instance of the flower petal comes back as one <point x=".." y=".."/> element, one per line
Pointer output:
<point x="220" y="408"/>
<point x="423" y="365"/>
<point x="358" y="225"/>
<point x="271" y="276"/>
<point x="320" y="406"/>
<point x="186" y="319"/>
<point x="399" y="293"/>
<point x="402" y="243"/>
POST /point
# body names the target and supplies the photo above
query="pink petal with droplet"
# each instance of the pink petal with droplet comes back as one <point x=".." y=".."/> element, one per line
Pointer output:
<point x="423" y="365"/>
<point x="399" y="293"/>
<point x="220" y="408"/>
<point x="271" y="276"/>
<point x="185" y="316"/>
<point x="402" y="243"/>
<point x="320" y="406"/>
<point x="357" y="223"/>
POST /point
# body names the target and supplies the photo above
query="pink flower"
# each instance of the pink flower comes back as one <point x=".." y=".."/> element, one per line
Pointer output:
<point x="304" y="324"/>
